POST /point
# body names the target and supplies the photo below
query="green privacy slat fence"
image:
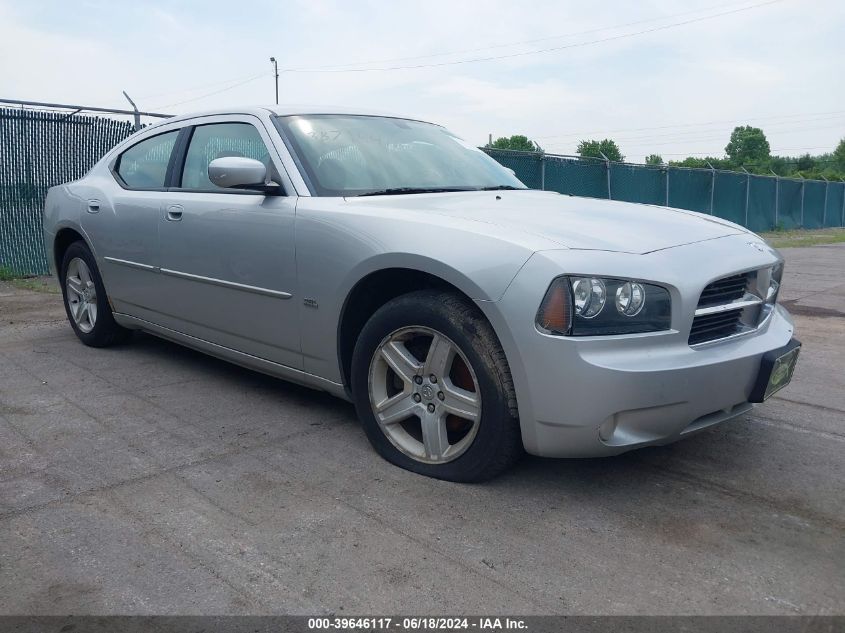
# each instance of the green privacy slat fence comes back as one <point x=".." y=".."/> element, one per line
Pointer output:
<point x="760" y="203"/>
<point x="39" y="150"/>
<point x="834" y="210"/>
<point x="814" y="204"/>
<point x="42" y="149"/>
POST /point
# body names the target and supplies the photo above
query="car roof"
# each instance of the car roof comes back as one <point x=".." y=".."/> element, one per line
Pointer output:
<point x="288" y="110"/>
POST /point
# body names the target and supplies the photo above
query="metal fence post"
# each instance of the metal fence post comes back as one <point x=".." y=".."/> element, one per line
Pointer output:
<point x="803" y="186"/>
<point x="712" y="185"/>
<point x="607" y="167"/>
<point x="777" y="196"/>
<point x="824" y="208"/>
<point x="543" y="172"/>
<point x="136" y="113"/>
<point x="666" y="171"/>
<point x="842" y="213"/>
<point x="747" y="191"/>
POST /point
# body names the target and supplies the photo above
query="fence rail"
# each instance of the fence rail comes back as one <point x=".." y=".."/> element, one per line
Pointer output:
<point x="761" y="203"/>
<point x="40" y="149"/>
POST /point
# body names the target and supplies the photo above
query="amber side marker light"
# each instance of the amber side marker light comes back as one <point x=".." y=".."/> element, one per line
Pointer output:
<point x="555" y="313"/>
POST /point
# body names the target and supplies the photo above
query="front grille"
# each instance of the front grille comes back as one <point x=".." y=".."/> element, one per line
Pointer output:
<point x="709" y="327"/>
<point x="716" y="324"/>
<point x="724" y="291"/>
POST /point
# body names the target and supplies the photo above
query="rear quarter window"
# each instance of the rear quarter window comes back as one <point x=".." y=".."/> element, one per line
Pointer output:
<point x="144" y="165"/>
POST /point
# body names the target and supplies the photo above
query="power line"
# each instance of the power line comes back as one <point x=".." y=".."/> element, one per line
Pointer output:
<point x="718" y="132"/>
<point x="209" y="94"/>
<point x="454" y="52"/>
<point x="667" y="127"/>
<point x="780" y="149"/>
<point x="534" y="52"/>
<point x="193" y="88"/>
<point x="523" y="42"/>
<point x="644" y="146"/>
<point x="342" y="69"/>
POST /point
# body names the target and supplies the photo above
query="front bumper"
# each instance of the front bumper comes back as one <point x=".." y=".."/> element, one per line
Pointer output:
<point x="594" y="396"/>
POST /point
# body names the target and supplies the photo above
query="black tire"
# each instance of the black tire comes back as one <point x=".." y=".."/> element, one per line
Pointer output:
<point x="498" y="442"/>
<point x="106" y="331"/>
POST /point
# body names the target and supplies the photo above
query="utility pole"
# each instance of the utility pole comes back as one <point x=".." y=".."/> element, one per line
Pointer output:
<point x="135" y="111"/>
<point x="276" y="70"/>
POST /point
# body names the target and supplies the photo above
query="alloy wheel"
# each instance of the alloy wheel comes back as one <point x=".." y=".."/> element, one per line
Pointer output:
<point x="81" y="295"/>
<point x="424" y="394"/>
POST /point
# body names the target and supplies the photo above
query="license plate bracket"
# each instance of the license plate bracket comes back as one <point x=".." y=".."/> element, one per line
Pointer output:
<point x="776" y="369"/>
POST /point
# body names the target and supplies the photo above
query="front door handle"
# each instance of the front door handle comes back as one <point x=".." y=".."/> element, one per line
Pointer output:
<point x="174" y="212"/>
<point x="93" y="206"/>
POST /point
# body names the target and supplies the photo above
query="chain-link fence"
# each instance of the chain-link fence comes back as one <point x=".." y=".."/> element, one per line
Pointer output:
<point x="761" y="203"/>
<point x="40" y="149"/>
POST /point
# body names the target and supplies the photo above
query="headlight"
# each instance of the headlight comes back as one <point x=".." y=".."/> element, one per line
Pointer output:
<point x="630" y="298"/>
<point x="774" y="284"/>
<point x="590" y="295"/>
<point x="590" y="306"/>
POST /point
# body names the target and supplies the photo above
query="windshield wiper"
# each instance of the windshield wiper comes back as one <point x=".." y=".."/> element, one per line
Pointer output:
<point x="499" y="188"/>
<point x="406" y="190"/>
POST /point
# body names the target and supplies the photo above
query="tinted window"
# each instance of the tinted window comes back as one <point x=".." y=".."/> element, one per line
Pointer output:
<point x="218" y="141"/>
<point x="144" y="166"/>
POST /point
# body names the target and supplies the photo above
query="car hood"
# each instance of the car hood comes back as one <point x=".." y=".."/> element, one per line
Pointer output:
<point x="570" y="222"/>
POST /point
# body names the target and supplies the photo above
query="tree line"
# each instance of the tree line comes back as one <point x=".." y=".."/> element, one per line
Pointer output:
<point x="748" y="149"/>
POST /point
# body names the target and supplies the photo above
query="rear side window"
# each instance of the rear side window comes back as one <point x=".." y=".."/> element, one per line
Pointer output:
<point x="144" y="166"/>
<point x="218" y="140"/>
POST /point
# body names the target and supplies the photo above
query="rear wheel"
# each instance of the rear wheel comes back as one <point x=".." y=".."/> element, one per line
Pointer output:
<point x="86" y="303"/>
<point x="433" y="390"/>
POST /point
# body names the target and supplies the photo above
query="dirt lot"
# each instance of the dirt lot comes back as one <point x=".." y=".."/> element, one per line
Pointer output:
<point x="152" y="479"/>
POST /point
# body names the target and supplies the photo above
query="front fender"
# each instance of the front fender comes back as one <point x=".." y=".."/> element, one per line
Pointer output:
<point x="336" y="249"/>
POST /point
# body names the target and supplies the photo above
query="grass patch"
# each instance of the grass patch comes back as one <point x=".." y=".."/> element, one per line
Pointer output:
<point x="801" y="237"/>
<point x="27" y="282"/>
<point x="37" y="284"/>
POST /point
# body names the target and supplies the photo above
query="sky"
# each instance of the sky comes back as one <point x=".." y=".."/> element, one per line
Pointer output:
<point x="671" y="78"/>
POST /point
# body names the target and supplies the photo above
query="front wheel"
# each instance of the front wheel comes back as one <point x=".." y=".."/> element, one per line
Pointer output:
<point x="433" y="389"/>
<point x="85" y="299"/>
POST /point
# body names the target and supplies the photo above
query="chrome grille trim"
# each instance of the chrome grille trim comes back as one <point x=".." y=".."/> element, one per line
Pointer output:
<point x="735" y="305"/>
<point x="732" y="306"/>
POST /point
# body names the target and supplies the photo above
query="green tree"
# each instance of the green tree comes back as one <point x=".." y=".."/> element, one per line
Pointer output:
<point x="654" y="159"/>
<point x="839" y="155"/>
<point x="696" y="162"/>
<point x="595" y="149"/>
<point x="747" y="144"/>
<point x="806" y="163"/>
<point x="518" y="142"/>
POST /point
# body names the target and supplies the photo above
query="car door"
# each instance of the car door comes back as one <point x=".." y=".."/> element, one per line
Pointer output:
<point x="122" y="217"/>
<point x="228" y="266"/>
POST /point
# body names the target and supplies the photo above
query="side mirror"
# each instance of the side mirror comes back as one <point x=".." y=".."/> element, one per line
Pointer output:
<point x="237" y="172"/>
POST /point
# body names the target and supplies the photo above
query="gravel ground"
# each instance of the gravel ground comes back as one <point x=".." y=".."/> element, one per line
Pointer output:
<point x="150" y="479"/>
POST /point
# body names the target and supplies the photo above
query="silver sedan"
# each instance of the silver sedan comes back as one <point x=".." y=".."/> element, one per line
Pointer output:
<point x="391" y="263"/>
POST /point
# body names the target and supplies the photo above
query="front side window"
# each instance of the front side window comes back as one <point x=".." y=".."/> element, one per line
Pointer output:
<point x="144" y="165"/>
<point x="350" y="155"/>
<point x="219" y="140"/>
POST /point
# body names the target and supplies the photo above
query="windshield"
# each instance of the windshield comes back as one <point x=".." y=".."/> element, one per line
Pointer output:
<point x="348" y="155"/>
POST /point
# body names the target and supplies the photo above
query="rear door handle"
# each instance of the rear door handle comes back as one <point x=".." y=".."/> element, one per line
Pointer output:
<point x="174" y="212"/>
<point x="93" y="206"/>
